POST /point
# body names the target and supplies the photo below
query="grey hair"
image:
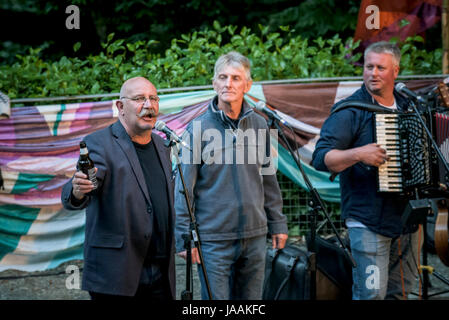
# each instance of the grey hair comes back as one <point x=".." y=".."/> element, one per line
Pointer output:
<point x="234" y="59"/>
<point x="385" y="47"/>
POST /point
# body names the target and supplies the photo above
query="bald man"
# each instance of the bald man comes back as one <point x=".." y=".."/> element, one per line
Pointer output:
<point x="129" y="244"/>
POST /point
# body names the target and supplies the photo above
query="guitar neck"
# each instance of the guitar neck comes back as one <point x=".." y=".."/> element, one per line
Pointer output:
<point x="444" y="93"/>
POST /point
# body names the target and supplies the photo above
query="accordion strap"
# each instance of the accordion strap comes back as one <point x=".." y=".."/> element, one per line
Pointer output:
<point x="364" y="106"/>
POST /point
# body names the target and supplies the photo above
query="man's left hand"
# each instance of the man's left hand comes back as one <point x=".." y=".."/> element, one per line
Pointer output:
<point x="279" y="240"/>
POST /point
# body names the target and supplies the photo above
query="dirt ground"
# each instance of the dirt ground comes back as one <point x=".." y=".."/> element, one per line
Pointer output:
<point x="58" y="283"/>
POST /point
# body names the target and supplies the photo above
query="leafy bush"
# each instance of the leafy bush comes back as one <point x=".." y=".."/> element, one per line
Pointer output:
<point x="419" y="61"/>
<point x="190" y="60"/>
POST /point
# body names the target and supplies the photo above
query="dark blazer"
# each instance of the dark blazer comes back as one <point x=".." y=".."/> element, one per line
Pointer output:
<point x="119" y="214"/>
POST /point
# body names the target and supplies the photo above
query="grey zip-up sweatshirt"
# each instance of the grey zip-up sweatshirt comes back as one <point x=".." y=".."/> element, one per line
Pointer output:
<point x="233" y="191"/>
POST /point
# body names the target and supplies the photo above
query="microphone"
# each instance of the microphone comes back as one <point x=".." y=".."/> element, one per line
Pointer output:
<point x="162" y="127"/>
<point x="261" y="106"/>
<point x="409" y="93"/>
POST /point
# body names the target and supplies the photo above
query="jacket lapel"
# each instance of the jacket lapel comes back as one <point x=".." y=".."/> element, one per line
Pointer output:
<point x="127" y="146"/>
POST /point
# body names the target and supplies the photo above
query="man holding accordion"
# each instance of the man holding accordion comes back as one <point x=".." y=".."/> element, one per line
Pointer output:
<point x="385" y="251"/>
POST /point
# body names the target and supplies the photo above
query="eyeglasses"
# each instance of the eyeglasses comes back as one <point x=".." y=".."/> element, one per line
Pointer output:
<point x="142" y="100"/>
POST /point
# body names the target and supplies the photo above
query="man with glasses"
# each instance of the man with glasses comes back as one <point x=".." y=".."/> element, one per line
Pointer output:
<point x="129" y="244"/>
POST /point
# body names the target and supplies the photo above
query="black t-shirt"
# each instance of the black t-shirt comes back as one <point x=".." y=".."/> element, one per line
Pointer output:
<point x="157" y="189"/>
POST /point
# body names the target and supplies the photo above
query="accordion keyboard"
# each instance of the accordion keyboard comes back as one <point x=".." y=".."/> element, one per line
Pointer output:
<point x="407" y="145"/>
<point x="388" y="137"/>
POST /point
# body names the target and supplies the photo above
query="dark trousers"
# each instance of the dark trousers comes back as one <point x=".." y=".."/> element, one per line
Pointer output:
<point x="159" y="290"/>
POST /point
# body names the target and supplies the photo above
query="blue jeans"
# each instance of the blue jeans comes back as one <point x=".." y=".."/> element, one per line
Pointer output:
<point x="379" y="267"/>
<point x="235" y="268"/>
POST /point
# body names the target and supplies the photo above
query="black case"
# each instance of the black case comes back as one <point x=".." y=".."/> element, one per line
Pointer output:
<point x="288" y="273"/>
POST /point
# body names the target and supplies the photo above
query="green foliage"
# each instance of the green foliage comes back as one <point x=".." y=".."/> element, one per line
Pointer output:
<point x="163" y="20"/>
<point x="312" y="18"/>
<point x="419" y="61"/>
<point x="190" y="59"/>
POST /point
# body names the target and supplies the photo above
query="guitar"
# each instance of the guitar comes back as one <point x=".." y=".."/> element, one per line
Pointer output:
<point x="441" y="233"/>
<point x="443" y="90"/>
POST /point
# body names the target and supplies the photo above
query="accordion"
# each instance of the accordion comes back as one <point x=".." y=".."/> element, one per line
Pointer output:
<point x="413" y="163"/>
<point x="441" y="136"/>
<point x="409" y="149"/>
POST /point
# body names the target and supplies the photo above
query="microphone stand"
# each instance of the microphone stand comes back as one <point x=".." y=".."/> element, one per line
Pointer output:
<point x="194" y="234"/>
<point x="425" y="267"/>
<point x="316" y="204"/>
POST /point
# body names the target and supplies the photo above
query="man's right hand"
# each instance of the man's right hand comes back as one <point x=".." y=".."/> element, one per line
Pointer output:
<point x="195" y="255"/>
<point x="81" y="185"/>
<point x="372" y="154"/>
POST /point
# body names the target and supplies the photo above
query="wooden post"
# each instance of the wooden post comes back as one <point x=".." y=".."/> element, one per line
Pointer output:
<point x="445" y="36"/>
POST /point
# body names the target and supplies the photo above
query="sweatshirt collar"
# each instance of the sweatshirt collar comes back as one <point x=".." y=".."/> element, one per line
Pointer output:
<point x="246" y="109"/>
